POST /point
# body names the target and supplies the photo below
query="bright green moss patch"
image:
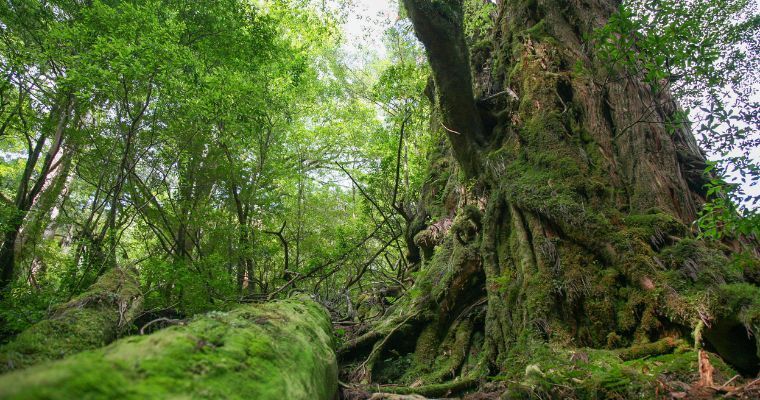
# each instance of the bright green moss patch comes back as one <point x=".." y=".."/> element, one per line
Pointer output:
<point x="540" y="371"/>
<point x="279" y="350"/>
<point x="537" y="31"/>
<point x="654" y="227"/>
<point x="91" y="320"/>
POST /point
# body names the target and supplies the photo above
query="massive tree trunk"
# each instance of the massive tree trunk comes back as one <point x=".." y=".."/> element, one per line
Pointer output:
<point x="90" y="320"/>
<point x="278" y="350"/>
<point x="573" y="228"/>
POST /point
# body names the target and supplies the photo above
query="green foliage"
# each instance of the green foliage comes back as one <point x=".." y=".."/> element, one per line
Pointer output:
<point x="208" y="146"/>
<point x="725" y="216"/>
<point x="478" y="18"/>
<point x="23" y="307"/>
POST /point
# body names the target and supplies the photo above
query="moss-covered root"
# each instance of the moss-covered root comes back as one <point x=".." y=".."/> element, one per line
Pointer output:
<point x="434" y="390"/>
<point x="278" y="350"/>
<point x="93" y="319"/>
<point x="660" y="347"/>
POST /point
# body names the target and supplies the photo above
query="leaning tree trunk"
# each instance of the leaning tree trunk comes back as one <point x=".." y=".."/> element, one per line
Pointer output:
<point x="91" y="320"/>
<point x="278" y="350"/>
<point x="571" y="228"/>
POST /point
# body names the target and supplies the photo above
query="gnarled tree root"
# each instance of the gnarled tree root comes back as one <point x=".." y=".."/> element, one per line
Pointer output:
<point x="364" y="371"/>
<point x="92" y="319"/>
<point x="368" y="340"/>
<point x="278" y="350"/>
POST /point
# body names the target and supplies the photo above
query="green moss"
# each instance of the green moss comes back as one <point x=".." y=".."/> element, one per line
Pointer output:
<point x="482" y="45"/>
<point x="547" y="372"/>
<point x="90" y="320"/>
<point x="433" y="390"/>
<point x="698" y="265"/>
<point x="741" y="298"/>
<point x="446" y="9"/>
<point x="748" y="265"/>
<point x="537" y="31"/>
<point x="279" y="350"/>
<point x="659" y="347"/>
<point x="681" y="365"/>
<point x="426" y="347"/>
<point x="742" y="302"/>
<point x="451" y="354"/>
<point x="655" y="227"/>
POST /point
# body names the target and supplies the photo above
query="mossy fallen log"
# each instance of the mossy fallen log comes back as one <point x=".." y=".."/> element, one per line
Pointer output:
<point x="278" y="350"/>
<point x="91" y="320"/>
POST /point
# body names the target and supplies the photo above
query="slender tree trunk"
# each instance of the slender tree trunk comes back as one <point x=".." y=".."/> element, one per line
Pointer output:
<point x="300" y="212"/>
<point x="32" y="183"/>
<point x="7" y="256"/>
<point x="47" y="211"/>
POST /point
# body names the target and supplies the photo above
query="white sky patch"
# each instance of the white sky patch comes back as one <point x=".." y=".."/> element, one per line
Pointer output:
<point x="364" y="29"/>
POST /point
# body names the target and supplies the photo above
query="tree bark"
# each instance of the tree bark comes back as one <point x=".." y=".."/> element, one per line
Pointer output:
<point x="42" y="225"/>
<point x="439" y="25"/>
<point x="278" y="350"/>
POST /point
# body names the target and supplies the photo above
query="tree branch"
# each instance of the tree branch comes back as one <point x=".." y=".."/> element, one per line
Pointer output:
<point x="439" y="26"/>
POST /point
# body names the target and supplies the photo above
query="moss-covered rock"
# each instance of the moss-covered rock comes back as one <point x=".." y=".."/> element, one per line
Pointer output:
<point x="278" y="350"/>
<point x="93" y="319"/>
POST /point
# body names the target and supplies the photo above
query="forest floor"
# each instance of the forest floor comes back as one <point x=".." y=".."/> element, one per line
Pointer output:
<point x="703" y="376"/>
<point x="668" y="389"/>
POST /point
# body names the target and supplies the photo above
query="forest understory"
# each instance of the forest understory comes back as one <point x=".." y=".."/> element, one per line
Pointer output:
<point x="524" y="199"/>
